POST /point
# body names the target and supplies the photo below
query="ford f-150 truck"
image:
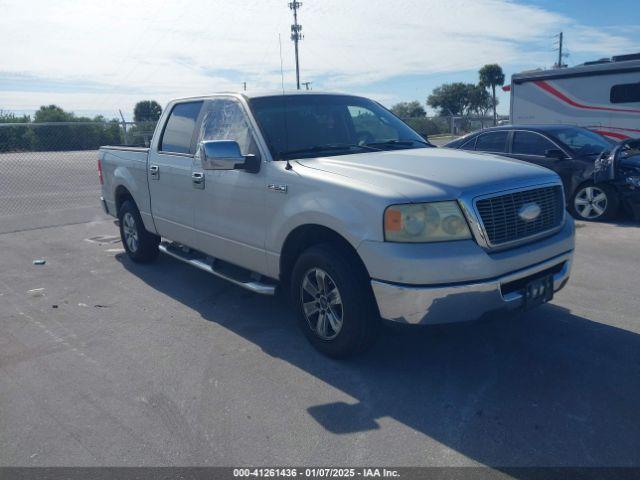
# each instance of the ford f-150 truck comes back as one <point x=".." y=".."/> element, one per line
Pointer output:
<point x="334" y="200"/>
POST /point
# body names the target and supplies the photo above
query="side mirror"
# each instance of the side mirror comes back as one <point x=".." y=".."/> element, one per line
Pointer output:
<point x="226" y="155"/>
<point x="555" y="153"/>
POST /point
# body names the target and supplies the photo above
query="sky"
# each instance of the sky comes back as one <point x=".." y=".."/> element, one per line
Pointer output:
<point x="99" y="57"/>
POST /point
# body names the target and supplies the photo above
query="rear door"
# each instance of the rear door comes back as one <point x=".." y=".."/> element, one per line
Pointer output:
<point x="170" y="165"/>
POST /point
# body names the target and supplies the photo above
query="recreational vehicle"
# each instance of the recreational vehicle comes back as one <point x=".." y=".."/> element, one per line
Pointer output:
<point x="603" y="96"/>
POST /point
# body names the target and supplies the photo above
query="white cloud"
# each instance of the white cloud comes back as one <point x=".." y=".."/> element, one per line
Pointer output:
<point x="149" y="48"/>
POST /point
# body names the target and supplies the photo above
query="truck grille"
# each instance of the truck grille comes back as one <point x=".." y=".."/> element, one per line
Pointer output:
<point x="501" y="219"/>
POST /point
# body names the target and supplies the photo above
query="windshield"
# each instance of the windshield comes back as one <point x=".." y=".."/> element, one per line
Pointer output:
<point x="299" y="126"/>
<point x="582" y="142"/>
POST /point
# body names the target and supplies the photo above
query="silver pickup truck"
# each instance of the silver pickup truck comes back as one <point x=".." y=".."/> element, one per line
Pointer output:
<point x="335" y="201"/>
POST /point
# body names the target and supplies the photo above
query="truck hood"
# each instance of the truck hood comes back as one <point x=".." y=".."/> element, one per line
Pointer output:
<point x="428" y="174"/>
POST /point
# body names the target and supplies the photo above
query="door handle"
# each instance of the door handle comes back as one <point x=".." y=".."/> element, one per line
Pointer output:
<point x="198" y="180"/>
<point x="154" y="172"/>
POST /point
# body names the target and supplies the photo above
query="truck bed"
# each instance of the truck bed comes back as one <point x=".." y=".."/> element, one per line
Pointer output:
<point x="125" y="147"/>
<point x="120" y="161"/>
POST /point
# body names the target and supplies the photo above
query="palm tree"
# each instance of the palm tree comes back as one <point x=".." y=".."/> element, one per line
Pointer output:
<point x="492" y="76"/>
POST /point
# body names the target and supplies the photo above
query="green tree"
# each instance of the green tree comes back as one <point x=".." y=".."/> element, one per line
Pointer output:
<point x="147" y="111"/>
<point x="80" y="133"/>
<point x="451" y="98"/>
<point x="428" y="126"/>
<point x="14" y="138"/>
<point x="75" y="133"/>
<point x="52" y="137"/>
<point x="492" y="76"/>
<point x="110" y="132"/>
<point x="52" y="113"/>
<point x="409" y="109"/>
<point x="480" y="102"/>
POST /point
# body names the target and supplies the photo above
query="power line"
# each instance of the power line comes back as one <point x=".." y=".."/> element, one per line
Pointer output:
<point x="296" y="36"/>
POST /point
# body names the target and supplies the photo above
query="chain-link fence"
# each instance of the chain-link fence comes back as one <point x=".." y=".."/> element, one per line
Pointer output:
<point x="450" y="125"/>
<point x="49" y="167"/>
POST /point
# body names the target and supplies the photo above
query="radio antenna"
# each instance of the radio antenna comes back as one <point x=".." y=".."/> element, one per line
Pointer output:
<point x="281" y="67"/>
<point x="284" y="103"/>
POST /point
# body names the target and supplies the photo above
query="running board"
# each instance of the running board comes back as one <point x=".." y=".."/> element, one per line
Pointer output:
<point x="200" y="262"/>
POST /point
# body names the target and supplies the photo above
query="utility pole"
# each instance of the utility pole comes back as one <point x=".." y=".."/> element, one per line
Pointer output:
<point x="560" y="54"/>
<point x="560" y="50"/>
<point x="307" y="85"/>
<point x="124" y="128"/>
<point x="296" y="36"/>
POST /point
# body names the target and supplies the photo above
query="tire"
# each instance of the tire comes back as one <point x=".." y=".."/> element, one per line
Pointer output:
<point x="141" y="246"/>
<point x="594" y="202"/>
<point x="349" y="320"/>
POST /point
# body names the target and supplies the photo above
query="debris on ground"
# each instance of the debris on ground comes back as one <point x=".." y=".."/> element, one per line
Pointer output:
<point x="36" y="292"/>
<point x="39" y="261"/>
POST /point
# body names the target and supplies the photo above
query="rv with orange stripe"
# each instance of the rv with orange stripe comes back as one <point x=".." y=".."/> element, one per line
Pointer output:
<point x="603" y="96"/>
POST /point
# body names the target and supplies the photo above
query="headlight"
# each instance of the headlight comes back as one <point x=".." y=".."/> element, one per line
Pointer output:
<point x="633" y="181"/>
<point x="425" y="222"/>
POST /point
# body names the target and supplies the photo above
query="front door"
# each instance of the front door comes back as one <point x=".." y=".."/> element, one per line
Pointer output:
<point x="532" y="147"/>
<point x="230" y="219"/>
<point x="172" y="197"/>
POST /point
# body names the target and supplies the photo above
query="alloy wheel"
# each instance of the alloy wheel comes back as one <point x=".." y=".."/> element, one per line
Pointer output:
<point x="590" y="202"/>
<point x="321" y="304"/>
<point x="130" y="232"/>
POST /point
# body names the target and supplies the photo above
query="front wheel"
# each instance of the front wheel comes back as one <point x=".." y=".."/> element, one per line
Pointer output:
<point x="335" y="304"/>
<point x="594" y="202"/>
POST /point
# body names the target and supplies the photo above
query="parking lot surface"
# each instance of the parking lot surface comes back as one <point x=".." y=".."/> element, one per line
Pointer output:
<point x="105" y="362"/>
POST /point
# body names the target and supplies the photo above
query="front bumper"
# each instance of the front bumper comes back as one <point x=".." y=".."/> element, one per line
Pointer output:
<point x="467" y="301"/>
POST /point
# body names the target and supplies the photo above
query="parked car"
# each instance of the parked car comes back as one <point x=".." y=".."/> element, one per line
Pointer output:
<point x="335" y="201"/>
<point x="567" y="150"/>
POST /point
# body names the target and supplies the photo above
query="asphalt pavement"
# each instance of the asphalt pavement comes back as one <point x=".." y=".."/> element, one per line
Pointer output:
<point x="105" y="362"/>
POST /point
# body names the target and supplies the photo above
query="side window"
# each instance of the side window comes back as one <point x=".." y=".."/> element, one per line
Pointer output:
<point x="625" y="93"/>
<point x="469" y="144"/>
<point x="527" y="143"/>
<point x="224" y="119"/>
<point x="178" y="133"/>
<point x="492" y="142"/>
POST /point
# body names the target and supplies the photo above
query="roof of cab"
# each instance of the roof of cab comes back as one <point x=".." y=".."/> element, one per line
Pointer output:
<point x="263" y="93"/>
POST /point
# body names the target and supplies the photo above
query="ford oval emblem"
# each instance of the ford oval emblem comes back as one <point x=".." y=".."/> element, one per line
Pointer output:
<point x="529" y="212"/>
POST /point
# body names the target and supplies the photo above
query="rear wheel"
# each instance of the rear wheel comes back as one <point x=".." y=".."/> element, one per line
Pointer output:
<point x="140" y="245"/>
<point x="595" y="202"/>
<point x="335" y="305"/>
